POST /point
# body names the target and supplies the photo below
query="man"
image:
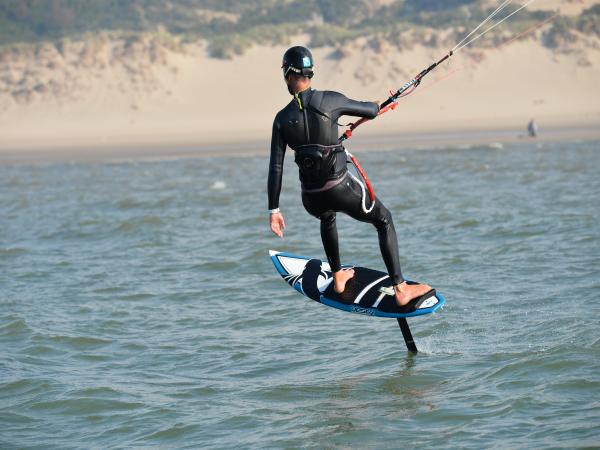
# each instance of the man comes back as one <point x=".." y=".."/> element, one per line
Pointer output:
<point x="308" y="125"/>
<point x="532" y="128"/>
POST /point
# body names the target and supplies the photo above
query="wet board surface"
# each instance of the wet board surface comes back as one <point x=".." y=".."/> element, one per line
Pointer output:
<point x="369" y="292"/>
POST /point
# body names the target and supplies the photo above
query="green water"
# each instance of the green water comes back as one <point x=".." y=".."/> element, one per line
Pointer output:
<point x="139" y="308"/>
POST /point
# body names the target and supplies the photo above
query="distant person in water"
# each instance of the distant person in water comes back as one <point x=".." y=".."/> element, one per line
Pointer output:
<point x="308" y="125"/>
<point x="532" y="128"/>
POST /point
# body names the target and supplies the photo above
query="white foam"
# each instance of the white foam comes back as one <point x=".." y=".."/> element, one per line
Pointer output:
<point x="218" y="185"/>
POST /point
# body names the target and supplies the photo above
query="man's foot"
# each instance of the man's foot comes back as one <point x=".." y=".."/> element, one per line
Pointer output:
<point x="340" y="278"/>
<point x="406" y="292"/>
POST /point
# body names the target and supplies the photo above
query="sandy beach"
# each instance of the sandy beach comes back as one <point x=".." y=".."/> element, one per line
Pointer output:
<point x="190" y="102"/>
<point x="358" y="145"/>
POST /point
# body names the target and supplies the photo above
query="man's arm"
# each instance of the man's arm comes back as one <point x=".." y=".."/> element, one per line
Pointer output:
<point x="275" y="166"/>
<point x="343" y="106"/>
<point x="274" y="181"/>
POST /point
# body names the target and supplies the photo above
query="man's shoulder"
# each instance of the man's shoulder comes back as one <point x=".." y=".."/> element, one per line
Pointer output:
<point x="284" y="110"/>
<point x="332" y="94"/>
<point x="332" y="99"/>
<point x="328" y="101"/>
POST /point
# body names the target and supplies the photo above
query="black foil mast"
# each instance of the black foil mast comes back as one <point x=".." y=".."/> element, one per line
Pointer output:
<point x="410" y="343"/>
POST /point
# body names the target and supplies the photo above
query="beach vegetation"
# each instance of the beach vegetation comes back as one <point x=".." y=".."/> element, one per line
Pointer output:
<point x="230" y="27"/>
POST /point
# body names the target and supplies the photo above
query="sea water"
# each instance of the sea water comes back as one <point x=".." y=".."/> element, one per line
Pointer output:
<point x="139" y="308"/>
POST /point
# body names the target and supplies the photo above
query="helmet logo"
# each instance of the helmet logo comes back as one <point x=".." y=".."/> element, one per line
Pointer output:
<point x="306" y="61"/>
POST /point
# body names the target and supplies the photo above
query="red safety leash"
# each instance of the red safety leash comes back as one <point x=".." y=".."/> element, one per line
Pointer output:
<point x="348" y="133"/>
<point x="363" y="175"/>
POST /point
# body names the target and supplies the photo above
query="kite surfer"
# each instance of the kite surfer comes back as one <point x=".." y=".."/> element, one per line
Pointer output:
<point x="309" y="126"/>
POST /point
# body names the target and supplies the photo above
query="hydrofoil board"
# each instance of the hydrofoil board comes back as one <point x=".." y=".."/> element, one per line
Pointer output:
<point x="368" y="292"/>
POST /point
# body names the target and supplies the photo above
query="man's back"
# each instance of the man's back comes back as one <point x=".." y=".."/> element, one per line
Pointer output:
<point x="321" y="111"/>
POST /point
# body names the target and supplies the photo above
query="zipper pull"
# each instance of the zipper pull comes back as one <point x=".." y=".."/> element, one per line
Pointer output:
<point x="299" y="101"/>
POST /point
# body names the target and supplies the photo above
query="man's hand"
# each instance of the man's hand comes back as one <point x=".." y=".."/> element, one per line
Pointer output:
<point x="277" y="223"/>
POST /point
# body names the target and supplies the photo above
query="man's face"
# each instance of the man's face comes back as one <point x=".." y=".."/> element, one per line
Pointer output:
<point x="289" y="82"/>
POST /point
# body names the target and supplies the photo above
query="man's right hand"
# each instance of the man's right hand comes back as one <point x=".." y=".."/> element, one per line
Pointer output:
<point x="277" y="223"/>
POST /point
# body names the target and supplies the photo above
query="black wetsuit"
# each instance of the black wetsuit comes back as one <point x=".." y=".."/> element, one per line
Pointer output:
<point x="308" y="124"/>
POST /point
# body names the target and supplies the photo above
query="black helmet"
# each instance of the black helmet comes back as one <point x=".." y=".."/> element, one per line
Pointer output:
<point x="298" y="60"/>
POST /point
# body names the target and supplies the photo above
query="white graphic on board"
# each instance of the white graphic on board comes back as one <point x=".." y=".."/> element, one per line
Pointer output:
<point x="295" y="267"/>
<point x="428" y="303"/>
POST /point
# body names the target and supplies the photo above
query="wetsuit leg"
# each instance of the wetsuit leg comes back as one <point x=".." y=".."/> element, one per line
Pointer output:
<point x="329" y="234"/>
<point x="346" y="197"/>
<point x="381" y="218"/>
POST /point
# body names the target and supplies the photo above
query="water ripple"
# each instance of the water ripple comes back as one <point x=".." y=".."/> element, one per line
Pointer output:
<point x="138" y="307"/>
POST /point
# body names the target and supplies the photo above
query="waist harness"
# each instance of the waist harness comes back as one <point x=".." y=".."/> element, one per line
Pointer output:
<point x="320" y="163"/>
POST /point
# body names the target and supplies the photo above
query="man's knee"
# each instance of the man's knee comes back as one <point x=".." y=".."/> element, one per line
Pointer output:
<point x="327" y="220"/>
<point x="384" y="218"/>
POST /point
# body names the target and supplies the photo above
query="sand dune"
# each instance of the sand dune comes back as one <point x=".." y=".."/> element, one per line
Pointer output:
<point x="180" y="96"/>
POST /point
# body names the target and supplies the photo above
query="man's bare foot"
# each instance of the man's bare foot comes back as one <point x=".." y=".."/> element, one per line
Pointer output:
<point x="406" y="292"/>
<point x="340" y="278"/>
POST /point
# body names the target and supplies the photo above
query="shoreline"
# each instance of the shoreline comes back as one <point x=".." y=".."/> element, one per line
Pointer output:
<point x="366" y="142"/>
<point x="194" y="106"/>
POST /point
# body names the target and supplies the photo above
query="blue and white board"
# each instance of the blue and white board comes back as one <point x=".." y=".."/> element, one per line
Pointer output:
<point x="369" y="292"/>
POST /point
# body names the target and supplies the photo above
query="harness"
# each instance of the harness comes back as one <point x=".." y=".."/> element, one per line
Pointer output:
<point x="319" y="164"/>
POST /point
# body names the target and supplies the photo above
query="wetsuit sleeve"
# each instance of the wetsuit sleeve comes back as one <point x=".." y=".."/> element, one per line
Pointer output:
<point x="348" y="107"/>
<point x="275" y="165"/>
